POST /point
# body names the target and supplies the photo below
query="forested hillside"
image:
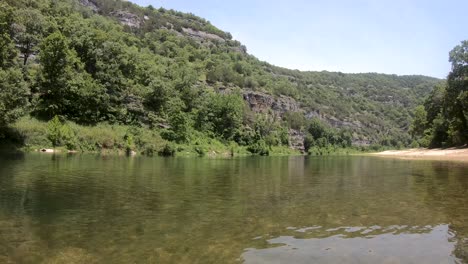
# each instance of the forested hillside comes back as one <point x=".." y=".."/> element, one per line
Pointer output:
<point x="108" y="74"/>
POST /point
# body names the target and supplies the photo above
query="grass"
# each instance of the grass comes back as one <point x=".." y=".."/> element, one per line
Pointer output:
<point x="30" y="134"/>
<point x="102" y="137"/>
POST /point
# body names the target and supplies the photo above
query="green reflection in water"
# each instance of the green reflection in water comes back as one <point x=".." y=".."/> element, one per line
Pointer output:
<point x="94" y="209"/>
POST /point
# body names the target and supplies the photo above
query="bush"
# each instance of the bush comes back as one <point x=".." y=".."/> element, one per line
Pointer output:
<point x="149" y="150"/>
<point x="167" y="151"/>
<point x="260" y="148"/>
<point x="200" y="151"/>
<point x="60" y="134"/>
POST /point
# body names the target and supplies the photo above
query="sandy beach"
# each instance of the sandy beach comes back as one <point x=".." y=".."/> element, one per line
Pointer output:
<point x="455" y="154"/>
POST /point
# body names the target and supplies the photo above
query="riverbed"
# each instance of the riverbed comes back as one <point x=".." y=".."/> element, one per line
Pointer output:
<point x="350" y="209"/>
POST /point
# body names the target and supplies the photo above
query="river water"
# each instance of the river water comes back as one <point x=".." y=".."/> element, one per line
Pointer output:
<point x="351" y="209"/>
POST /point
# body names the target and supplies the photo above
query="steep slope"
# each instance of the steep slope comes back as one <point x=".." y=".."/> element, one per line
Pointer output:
<point x="175" y="72"/>
<point x="365" y="103"/>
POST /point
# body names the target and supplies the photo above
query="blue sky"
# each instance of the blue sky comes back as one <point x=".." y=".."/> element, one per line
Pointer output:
<point x="385" y="36"/>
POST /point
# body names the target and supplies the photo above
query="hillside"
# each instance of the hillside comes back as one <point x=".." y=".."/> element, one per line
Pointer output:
<point x="112" y="63"/>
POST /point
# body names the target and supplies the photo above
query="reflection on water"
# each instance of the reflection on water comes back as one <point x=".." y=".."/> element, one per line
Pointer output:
<point x="93" y="209"/>
<point x="396" y="244"/>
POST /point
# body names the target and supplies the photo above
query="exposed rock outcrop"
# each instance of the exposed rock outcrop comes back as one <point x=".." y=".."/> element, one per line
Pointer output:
<point x="90" y="4"/>
<point x="296" y="140"/>
<point x="261" y="103"/>
<point x="333" y="121"/>
<point x="201" y="35"/>
<point x="127" y="18"/>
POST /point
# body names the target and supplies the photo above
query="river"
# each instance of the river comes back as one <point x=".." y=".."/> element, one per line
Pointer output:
<point x="350" y="209"/>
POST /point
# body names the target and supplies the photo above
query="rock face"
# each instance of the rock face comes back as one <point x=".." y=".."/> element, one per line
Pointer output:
<point x="127" y="18"/>
<point x="91" y="4"/>
<point x="277" y="106"/>
<point x="265" y="103"/>
<point x="261" y="103"/>
<point x="201" y="35"/>
<point x="333" y="121"/>
<point x="296" y="140"/>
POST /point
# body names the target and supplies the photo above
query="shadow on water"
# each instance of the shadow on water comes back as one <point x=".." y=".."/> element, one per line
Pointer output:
<point x="253" y="210"/>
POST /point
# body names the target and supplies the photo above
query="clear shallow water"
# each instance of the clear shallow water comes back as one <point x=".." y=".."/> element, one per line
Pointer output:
<point x="92" y="209"/>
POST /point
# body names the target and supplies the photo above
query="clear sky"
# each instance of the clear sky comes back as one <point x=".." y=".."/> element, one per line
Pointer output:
<point x="385" y="36"/>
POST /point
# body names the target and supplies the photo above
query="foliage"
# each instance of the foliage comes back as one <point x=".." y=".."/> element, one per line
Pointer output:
<point x="260" y="148"/>
<point x="13" y="96"/>
<point x="221" y="114"/>
<point x="102" y="137"/>
<point x="158" y="85"/>
<point x="60" y="134"/>
<point x="419" y="121"/>
<point x="321" y="136"/>
<point x="65" y="88"/>
<point x="443" y="118"/>
<point x="167" y="150"/>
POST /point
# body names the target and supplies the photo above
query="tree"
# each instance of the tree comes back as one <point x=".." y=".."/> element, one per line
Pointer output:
<point x="317" y="129"/>
<point x="438" y="132"/>
<point x="419" y="122"/>
<point x="13" y="95"/>
<point x="14" y="91"/>
<point x="29" y="29"/>
<point x="159" y="95"/>
<point x="221" y="114"/>
<point x="455" y="99"/>
<point x="8" y="52"/>
<point x="434" y="103"/>
<point x="54" y="75"/>
<point x="65" y="88"/>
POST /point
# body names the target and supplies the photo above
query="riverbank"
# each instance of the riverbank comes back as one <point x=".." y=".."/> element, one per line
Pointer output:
<point x="32" y="135"/>
<point x="455" y="154"/>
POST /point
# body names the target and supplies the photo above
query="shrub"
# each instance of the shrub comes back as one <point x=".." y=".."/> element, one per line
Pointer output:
<point x="167" y="151"/>
<point x="60" y="134"/>
<point x="260" y="148"/>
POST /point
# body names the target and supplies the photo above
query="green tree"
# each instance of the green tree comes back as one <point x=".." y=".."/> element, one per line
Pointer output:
<point x="159" y="96"/>
<point x="13" y="95"/>
<point x="14" y="91"/>
<point x="438" y="132"/>
<point x="419" y="122"/>
<point x="221" y="114"/>
<point x="29" y="30"/>
<point x="434" y="103"/>
<point x="8" y="52"/>
<point x="55" y="73"/>
<point x="317" y="129"/>
<point x="66" y="89"/>
<point x="455" y="106"/>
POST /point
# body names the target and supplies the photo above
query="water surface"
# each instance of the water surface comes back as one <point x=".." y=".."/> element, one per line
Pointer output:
<point x="94" y="209"/>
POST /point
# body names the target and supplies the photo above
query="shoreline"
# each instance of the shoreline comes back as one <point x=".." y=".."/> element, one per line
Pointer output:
<point x="449" y="154"/>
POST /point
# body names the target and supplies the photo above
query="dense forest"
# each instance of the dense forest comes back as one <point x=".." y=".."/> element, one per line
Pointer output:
<point x="441" y="121"/>
<point x="91" y="75"/>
